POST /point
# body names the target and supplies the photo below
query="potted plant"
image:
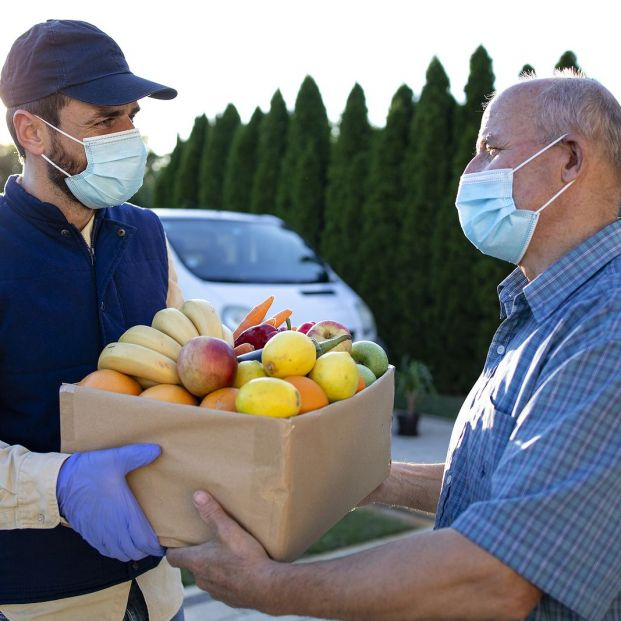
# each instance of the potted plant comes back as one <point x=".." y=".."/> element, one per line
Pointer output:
<point x="413" y="381"/>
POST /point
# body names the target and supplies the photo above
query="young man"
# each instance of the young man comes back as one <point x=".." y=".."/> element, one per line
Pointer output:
<point x="79" y="266"/>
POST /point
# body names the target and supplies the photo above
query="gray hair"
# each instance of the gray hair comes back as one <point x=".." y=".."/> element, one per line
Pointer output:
<point x="570" y="101"/>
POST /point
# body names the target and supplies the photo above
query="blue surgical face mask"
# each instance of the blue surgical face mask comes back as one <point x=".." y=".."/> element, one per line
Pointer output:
<point x="114" y="170"/>
<point x="489" y="217"/>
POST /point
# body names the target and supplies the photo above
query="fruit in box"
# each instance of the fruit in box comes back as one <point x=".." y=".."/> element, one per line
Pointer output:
<point x="172" y="393"/>
<point x="337" y="374"/>
<point x="113" y="381"/>
<point x="368" y="377"/>
<point x="248" y="370"/>
<point x="288" y="353"/>
<point x="221" y="399"/>
<point x="268" y="396"/>
<point x="371" y="355"/>
<point x="205" y="364"/>
<point x="328" y="329"/>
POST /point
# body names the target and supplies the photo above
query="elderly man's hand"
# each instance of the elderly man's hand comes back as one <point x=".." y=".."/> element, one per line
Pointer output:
<point x="233" y="565"/>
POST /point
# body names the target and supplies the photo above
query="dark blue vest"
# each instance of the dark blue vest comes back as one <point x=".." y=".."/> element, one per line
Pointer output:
<point x="59" y="307"/>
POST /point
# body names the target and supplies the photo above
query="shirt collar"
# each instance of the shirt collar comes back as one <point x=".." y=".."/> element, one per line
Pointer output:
<point x="553" y="286"/>
<point x="32" y="208"/>
<point x="508" y="290"/>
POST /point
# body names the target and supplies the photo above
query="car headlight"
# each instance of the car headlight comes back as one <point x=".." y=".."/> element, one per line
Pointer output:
<point x="367" y="320"/>
<point x="232" y="315"/>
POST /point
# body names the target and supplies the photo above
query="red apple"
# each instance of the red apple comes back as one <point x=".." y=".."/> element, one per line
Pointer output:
<point x="327" y="329"/>
<point x="206" y="363"/>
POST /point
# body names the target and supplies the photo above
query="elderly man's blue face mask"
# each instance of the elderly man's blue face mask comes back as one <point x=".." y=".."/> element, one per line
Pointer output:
<point x="489" y="217"/>
<point x="114" y="170"/>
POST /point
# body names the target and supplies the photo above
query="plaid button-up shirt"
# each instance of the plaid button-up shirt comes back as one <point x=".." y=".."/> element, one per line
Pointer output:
<point x="533" y="472"/>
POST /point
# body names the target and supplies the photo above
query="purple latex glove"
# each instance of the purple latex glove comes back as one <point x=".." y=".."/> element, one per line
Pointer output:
<point x="93" y="496"/>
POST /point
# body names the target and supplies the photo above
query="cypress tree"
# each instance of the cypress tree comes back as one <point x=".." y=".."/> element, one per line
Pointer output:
<point x="270" y="153"/>
<point x="185" y="193"/>
<point x="568" y="61"/>
<point x="527" y="70"/>
<point x="381" y="220"/>
<point x="165" y="179"/>
<point x="146" y="194"/>
<point x="300" y="197"/>
<point x="426" y="176"/>
<point x="242" y="165"/>
<point x="215" y="158"/>
<point x="464" y="312"/>
<point x="347" y="180"/>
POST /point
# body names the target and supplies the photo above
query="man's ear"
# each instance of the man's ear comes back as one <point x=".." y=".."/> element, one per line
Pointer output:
<point x="574" y="147"/>
<point x="31" y="132"/>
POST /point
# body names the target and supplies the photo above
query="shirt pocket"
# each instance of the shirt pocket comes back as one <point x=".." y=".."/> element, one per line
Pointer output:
<point x="496" y="429"/>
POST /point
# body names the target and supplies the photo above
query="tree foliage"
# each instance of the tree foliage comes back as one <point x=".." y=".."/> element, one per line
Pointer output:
<point x="215" y="158"/>
<point x="270" y="153"/>
<point x="242" y="166"/>
<point x="347" y="188"/>
<point x="301" y="192"/>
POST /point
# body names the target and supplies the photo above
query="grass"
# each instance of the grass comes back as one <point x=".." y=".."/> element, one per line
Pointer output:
<point x="359" y="526"/>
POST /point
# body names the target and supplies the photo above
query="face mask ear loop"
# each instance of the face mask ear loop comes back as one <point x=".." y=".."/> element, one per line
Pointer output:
<point x="60" y="130"/>
<point x="49" y="161"/>
<point x="556" y="196"/>
<point x="532" y="157"/>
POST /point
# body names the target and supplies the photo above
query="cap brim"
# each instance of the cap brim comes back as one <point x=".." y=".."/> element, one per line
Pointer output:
<point x="118" y="89"/>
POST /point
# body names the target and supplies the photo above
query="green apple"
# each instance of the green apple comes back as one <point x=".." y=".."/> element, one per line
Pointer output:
<point x="371" y="355"/>
<point x="368" y="377"/>
<point x="248" y="370"/>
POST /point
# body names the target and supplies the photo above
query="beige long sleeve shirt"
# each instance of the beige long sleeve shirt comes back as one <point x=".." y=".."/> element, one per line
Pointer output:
<point x="28" y="500"/>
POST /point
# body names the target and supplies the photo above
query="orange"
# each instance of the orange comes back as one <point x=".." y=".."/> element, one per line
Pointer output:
<point x="361" y="384"/>
<point x="170" y="393"/>
<point x="312" y="394"/>
<point x="113" y="381"/>
<point x="221" y="399"/>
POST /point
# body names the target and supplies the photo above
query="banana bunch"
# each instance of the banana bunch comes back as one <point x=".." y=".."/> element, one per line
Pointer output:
<point x="149" y="353"/>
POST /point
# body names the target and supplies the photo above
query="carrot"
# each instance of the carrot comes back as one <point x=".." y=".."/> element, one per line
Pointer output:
<point x="244" y="348"/>
<point x="278" y="318"/>
<point x="254" y="317"/>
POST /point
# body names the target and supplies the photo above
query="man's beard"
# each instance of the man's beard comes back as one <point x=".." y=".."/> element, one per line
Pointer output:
<point x="64" y="161"/>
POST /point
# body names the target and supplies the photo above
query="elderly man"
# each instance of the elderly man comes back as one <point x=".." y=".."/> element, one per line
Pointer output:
<point x="78" y="267"/>
<point x="527" y="504"/>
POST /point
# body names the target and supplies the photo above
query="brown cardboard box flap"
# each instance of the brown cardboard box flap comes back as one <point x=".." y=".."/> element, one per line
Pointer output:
<point x="286" y="481"/>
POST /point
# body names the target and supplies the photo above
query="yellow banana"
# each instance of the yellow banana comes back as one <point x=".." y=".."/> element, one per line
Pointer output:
<point x="145" y="383"/>
<point x="153" y="339"/>
<point x="140" y="361"/>
<point x="173" y="322"/>
<point x="227" y="334"/>
<point x="204" y="317"/>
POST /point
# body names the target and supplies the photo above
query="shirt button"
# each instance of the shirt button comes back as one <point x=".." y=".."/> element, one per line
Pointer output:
<point x="102" y="306"/>
<point x="65" y="232"/>
<point x="448" y="479"/>
<point x="135" y="566"/>
<point x="41" y="518"/>
<point x="120" y="232"/>
<point x="501" y="350"/>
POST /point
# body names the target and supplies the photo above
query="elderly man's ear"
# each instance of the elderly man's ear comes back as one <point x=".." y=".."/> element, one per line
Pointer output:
<point x="574" y="151"/>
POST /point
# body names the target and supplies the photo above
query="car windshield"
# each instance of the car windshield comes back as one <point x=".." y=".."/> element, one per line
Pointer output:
<point x="237" y="251"/>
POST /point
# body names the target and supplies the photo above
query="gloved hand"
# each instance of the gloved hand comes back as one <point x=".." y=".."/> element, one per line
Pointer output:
<point x="93" y="496"/>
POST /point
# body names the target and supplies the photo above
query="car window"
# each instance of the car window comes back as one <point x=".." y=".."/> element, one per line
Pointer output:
<point x="252" y="252"/>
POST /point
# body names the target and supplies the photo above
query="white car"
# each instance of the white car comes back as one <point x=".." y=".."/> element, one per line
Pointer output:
<point x="236" y="260"/>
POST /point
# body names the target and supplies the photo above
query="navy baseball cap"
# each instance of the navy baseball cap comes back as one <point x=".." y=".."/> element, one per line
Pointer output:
<point x="74" y="58"/>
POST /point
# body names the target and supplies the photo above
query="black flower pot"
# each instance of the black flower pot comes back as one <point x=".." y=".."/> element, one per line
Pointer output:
<point x="407" y="425"/>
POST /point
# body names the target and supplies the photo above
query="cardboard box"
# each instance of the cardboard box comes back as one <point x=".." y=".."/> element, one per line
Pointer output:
<point x="287" y="481"/>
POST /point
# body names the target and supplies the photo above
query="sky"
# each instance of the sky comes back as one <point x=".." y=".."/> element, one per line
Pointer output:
<point x="216" y="52"/>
